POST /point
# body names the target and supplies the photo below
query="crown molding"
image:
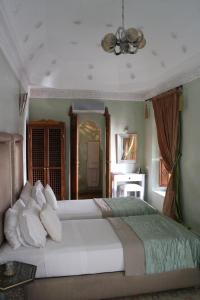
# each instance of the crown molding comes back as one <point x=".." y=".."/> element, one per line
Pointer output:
<point x="8" y="45"/>
<point x="52" y="93"/>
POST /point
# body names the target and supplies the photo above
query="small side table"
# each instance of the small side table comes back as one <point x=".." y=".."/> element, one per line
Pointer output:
<point x="11" y="286"/>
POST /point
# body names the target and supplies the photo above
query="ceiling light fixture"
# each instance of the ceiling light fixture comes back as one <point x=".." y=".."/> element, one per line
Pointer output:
<point x="123" y="41"/>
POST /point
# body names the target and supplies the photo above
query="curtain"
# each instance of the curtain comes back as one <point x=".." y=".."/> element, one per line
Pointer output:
<point x="167" y="117"/>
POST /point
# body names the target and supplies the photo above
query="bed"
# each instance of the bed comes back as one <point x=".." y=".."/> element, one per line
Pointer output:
<point x="100" y="239"/>
<point x="103" y="207"/>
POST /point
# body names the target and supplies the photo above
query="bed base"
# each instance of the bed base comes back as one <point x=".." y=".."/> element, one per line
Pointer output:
<point x="108" y="285"/>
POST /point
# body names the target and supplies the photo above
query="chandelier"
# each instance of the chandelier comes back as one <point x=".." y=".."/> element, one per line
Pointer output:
<point x="123" y="41"/>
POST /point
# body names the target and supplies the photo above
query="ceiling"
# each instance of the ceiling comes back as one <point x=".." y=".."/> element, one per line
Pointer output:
<point x="57" y="46"/>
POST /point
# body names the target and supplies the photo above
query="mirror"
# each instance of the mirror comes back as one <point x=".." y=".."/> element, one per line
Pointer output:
<point x="126" y="148"/>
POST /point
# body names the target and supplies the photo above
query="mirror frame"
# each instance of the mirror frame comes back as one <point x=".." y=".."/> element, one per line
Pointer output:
<point x="120" y="138"/>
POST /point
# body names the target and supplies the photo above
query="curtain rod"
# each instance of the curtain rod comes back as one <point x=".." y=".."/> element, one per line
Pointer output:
<point x="179" y="89"/>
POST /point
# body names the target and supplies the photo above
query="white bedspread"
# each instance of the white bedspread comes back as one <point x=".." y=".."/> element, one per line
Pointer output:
<point x="78" y="209"/>
<point x="87" y="247"/>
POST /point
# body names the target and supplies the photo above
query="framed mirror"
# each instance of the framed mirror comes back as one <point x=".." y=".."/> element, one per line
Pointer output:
<point x="126" y="148"/>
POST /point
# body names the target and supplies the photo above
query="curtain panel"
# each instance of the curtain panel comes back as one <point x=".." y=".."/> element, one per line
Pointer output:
<point x="167" y="118"/>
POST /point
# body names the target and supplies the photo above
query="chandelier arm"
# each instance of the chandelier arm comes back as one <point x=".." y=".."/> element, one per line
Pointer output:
<point x="140" y="38"/>
<point x="122" y="13"/>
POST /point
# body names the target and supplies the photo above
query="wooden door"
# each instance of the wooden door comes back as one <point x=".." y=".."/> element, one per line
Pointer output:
<point x="46" y="155"/>
<point x="74" y="159"/>
<point x="107" y="125"/>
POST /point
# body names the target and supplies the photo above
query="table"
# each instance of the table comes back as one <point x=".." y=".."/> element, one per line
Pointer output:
<point x="119" y="178"/>
<point x="11" y="286"/>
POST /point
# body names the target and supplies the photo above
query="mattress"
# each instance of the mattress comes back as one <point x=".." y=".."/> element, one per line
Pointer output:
<point x="103" y="208"/>
<point x="78" y="209"/>
<point x="86" y="248"/>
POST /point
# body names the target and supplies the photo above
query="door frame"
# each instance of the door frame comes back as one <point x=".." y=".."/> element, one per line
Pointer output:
<point x="74" y="155"/>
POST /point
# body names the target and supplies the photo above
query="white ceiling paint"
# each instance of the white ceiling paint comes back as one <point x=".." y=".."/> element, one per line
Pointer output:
<point x="57" y="46"/>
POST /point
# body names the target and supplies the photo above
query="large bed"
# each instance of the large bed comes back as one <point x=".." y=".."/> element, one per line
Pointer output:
<point x="102" y="207"/>
<point x="97" y="265"/>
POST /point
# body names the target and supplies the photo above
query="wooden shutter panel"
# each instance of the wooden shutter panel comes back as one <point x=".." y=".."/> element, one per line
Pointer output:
<point x="163" y="174"/>
<point x="37" y="155"/>
<point x="74" y="159"/>
<point x="55" y="159"/>
<point x="46" y="155"/>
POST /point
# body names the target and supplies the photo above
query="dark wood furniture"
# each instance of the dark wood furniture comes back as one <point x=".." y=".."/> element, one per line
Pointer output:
<point x="46" y="155"/>
<point x="11" y="286"/>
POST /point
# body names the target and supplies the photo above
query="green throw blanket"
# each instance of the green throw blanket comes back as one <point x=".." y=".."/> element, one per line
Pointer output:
<point x="168" y="245"/>
<point x="129" y="206"/>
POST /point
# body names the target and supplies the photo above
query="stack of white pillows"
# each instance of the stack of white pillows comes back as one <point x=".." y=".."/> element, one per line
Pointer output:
<point x="33" y="217"/>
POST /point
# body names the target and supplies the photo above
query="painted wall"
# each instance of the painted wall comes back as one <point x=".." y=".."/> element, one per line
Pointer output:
<point x="123" y="114"/>
<point x="190" y="162"/>
<point x="9" y="95"/>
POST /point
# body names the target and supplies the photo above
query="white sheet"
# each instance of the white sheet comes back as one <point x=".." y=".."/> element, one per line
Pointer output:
<point x="87" y="247"/>
<point x="78" y="209"/>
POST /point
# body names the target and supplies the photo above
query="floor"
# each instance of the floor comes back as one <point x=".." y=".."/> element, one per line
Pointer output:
<point x="184" y="294"/>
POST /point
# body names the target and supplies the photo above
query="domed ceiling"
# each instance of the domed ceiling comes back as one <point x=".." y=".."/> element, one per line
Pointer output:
<point x="56" y="46"/>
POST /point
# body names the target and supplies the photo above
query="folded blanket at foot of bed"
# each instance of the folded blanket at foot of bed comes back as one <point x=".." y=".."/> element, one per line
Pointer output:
<point x="154" y="244"/>
<point x="124" y="206"/>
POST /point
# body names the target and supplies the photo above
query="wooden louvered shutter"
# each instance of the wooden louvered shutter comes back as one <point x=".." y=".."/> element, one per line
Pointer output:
<point x="164" y="176"/>
<point x="55" y="165"/>
<point x="46" y="155"/>
<point x="74" y="159"/>
<point x="37" y="155"/>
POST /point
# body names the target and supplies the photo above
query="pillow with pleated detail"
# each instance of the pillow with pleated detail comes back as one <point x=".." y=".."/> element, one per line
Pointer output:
<point x="31" y="229"/>
<point x="11" y="224"/>
<point x="51" y="222"/>
<point x="38" y="193"/>
<point x="50" y="197"/>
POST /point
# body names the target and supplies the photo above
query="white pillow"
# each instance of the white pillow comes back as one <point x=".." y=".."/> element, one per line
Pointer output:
<point x="51" y="222"/>
<point x="31" y="228"/>
<point x="38" y="196"/>
<point x="50" y="197"/>
<point x="11" y="224"/>
<point x="38" y="184"/>
<point x="26" y="192"/>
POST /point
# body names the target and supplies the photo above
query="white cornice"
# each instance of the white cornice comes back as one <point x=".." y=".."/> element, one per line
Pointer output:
<point x="52" y="93"/>
<point x="9" y="47"/>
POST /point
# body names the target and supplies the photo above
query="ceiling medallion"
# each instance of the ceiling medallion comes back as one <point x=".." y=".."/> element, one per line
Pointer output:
<point x="123" y="41"/>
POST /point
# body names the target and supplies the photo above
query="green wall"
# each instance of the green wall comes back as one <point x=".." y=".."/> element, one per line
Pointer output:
<point x="190" y="161"/>
<point x="123" y="113"/>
